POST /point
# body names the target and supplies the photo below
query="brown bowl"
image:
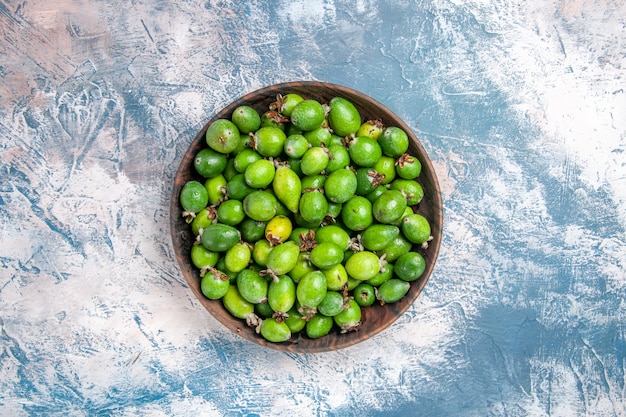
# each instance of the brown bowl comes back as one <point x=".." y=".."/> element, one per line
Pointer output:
<point x="374" y="318"/>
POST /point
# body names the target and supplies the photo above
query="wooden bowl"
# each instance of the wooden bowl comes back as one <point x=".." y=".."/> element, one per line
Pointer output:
<point x="375" y="318"/>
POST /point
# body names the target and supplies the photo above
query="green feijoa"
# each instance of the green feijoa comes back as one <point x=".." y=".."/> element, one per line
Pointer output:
<point x="204" y="218"/>
<point x="340" y="186"/>
<point x="338" y="158"/>
<point x="263" y="310"/>
<point x="252" y="230"/>
<point x="332" y="304"/>
<point x="367" y="179"/>
<point x="260" y="173"/>
<point x="281" y="294"/>
<point x="300" y="222"/>
<point x="408" y="167"/>
<point x="302" y="267"/>
<point x="318" y="137"/>
<point x="244" y="143"/>
<point x="392" y="290"/>
<point x="411" y="189"/>
<point x="269" y="141"/>
<point x="244" y="158"/>
<point x="221" y="267"/>
<point x="252" y="286"/>
<point x="283" y="258"/>
<point x="336" y="140"/>
<point x="214" y="285"/>
<point x="356" y="213"/>
<point x="295" y="146"/>
<point x="336" y="277"/>
<point x="313" y="181"/>
<point x="371" y="128"/>
<point x="222" y="135"/>
<point x="347" y="254"/>
<point x="385" y="274"/>
<point x="415" y="228"/>
<point x="378" y="236"/>
<point x="352" y="283"/>
<point x="314" y="160"/>
<point x="298" y="233"/>
<point x="287" y="187"/>
<point x="281" y="209"/>
<point x="389" y="206"/>
<point x="334" y="211"/>
<point x="333" y="234"/>
<point x="260" y="205"/>
<point x="364" y="151"/>
<point x="394" y="141"/>
<point x="409" y="266"/>
<point x="285" y="104"/>
<point x="261" y="252"/>
<point x="311" y="289"/>
<point x="219" y="237"/>
<point x="237" y="188"/>
<point x="273" y="119"/>
<point x="294" y="164"/>
<point x="290" y="129"/>
<point x="326" y="254"/>
<point x="216" y="189"/>
<point x="350" y="318"/>
<point x="193" y="196"/>
<point x="275" y="331"/>
<point x="246" y="118"/>
<point x="237" y="257"/>
<point x="398" y="247"/>
<point x="230" y="171"/>
<point x="318" y="326"/>
<point x="295" y="321"/>
<point x="364" y="294"/>
<point x="209" y="163"/>
<point x="373" y="195"/>
<point x="363" y="265"/>
<point x="313" y="206"/>
<point x="236" y="305"/>
<point x="308" y="115"/>
<point x="343" y="116"/>
<point x="386" y="166"/>
<point x="407" y="212"/>
<point x="230" y="212"/>
<point x="201" y="257"/>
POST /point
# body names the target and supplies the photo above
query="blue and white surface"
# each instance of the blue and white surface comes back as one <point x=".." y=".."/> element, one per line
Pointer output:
<point x="521" y="105"/>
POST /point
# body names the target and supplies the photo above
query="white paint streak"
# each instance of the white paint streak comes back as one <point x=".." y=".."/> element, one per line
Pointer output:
<point x="566" y="76"/>
<point x="302" y="12"/>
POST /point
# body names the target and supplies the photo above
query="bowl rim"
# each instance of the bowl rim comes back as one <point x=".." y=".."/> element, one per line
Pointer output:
<point x="299" y="344"/>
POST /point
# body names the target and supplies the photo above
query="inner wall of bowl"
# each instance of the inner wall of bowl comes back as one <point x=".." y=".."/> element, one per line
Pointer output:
<point x="375" y="318"/>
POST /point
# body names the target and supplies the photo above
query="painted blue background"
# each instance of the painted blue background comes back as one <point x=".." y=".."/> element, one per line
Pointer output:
<point x="521" y="106"/>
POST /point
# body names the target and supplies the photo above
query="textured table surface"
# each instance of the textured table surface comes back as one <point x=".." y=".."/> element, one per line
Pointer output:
<point x="521" y="105"/>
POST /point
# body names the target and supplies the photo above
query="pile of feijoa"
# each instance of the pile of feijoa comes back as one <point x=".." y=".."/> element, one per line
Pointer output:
<point x="304" y="214"/>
